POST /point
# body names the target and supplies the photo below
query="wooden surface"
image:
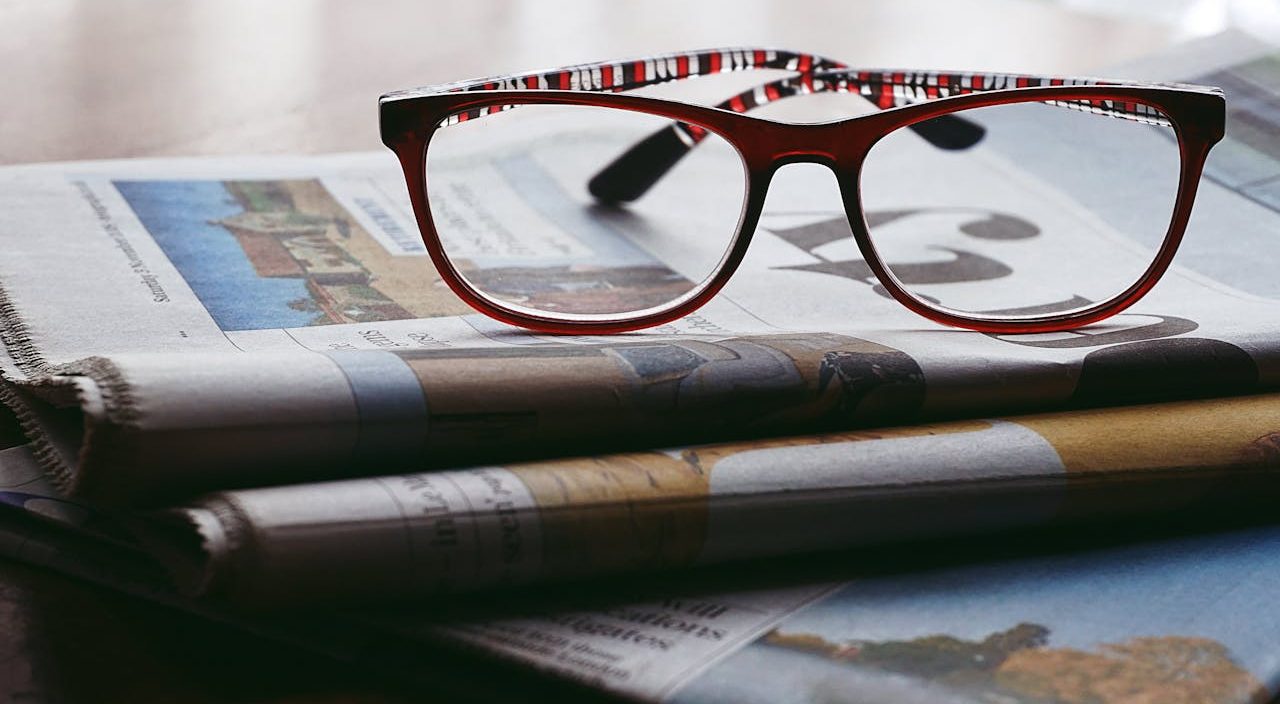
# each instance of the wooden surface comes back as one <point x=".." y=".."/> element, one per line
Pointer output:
<point x="129" y="78"/>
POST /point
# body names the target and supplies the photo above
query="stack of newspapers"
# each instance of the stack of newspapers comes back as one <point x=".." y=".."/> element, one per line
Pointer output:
<point x="242" y="391"/>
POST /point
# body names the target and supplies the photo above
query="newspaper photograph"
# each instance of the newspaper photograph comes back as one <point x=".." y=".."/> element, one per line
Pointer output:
<point x="1088" y="627"/>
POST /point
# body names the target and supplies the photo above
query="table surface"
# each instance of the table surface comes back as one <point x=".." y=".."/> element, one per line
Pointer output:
<point x="132" y="78"/>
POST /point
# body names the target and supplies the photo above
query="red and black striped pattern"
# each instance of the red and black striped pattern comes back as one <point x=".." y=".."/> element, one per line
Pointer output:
<point x="637" y="73"/>
<point x="889" y="89"/>
<point x="617" y="76"/>
<point x="815" y="74"/>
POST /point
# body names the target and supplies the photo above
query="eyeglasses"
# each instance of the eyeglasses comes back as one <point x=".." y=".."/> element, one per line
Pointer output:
<point x="999" y="203"/>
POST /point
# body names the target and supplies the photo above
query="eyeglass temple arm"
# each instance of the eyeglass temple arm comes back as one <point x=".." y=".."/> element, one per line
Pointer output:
<point x="638" y="169"/>
<point x="651" y="154"/>
<point x="635" y="171"/>
<point x="616" y="76"/>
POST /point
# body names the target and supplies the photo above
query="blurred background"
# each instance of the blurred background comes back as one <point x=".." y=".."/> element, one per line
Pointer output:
<point x="1192" y="18"/>
<point x="91" y="79"/>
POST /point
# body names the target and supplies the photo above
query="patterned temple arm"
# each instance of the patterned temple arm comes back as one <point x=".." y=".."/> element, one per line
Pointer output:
<point x="643" y="165"/>
<point x="639" y="168"/>
<point x="636" y="170"/>
<point x="616" y="76"/>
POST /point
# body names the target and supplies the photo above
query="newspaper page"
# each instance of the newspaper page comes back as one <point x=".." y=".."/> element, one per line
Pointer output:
<point x="274" y="320"/>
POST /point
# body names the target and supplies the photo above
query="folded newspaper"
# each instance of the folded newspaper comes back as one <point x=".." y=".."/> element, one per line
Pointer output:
<point x="255" y="352"/>
<point x="423" y="533"/>
<point x="1185" y="619"/>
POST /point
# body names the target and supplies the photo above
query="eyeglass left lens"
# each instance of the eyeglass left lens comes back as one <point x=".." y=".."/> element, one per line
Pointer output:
<point x="508" y="198"/>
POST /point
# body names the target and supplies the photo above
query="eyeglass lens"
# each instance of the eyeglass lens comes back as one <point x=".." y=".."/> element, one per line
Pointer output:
<point x="509" y="200"/>
<point x="1044" y="209"/>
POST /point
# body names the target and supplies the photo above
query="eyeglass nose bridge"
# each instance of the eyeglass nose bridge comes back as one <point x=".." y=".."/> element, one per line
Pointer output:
<point x="840" y="145"/>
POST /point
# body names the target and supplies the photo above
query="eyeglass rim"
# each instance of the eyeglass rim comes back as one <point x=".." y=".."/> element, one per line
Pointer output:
<point x="1197" y="114"/>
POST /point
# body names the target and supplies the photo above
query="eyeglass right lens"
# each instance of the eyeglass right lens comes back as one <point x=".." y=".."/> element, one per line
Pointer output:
<point x="508" y="195"/>
<point x="1053" y="210"/>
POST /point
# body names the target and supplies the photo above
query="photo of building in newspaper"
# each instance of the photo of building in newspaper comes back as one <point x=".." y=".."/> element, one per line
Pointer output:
<point x="283" y="254"/>
<point x="286" y="254"/>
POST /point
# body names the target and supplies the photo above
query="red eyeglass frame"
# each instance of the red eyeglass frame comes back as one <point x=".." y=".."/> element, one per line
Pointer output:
<point x="410" y="118"/>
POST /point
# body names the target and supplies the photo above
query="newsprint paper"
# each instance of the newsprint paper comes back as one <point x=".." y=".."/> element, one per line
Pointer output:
<point x="256" y="354"/>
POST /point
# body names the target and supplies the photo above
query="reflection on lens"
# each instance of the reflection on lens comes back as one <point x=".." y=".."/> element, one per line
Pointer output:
<point x="508" y="197"/>
<point x="1054" y="210"/>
